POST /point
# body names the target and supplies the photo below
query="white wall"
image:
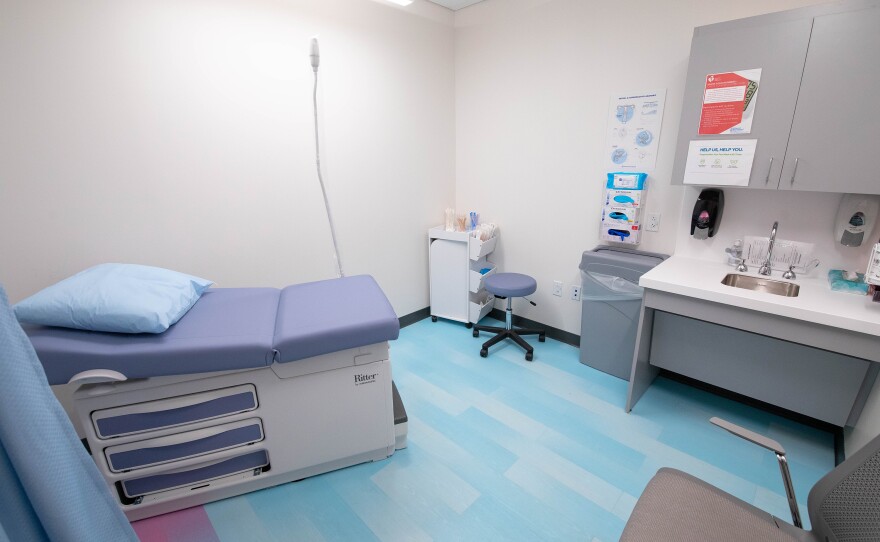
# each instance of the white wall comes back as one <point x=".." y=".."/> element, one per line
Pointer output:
<point x="802" y="216"/>
<point x="178" y="133"/>
<point x="533" y="80"/>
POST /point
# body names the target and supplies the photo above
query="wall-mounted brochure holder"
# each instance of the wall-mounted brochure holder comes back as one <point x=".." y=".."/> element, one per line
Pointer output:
<point x="621" y="212"/>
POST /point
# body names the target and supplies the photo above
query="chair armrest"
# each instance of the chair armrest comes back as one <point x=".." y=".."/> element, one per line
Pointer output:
<point x="750" y="436"/>
<point x="775" y="447"/>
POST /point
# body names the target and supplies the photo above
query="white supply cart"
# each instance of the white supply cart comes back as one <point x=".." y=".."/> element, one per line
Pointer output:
<point x="457" y="286"/>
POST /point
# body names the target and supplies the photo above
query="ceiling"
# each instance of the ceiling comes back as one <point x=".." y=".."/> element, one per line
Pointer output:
<point x="456" y="4"/>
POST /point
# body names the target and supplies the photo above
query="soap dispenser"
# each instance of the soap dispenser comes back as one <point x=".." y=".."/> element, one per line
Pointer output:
<point x="855" y="219"/>
<point x="707" y="213"/>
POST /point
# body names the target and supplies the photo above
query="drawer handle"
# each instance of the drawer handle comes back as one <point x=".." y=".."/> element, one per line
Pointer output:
<point x="794" y="173"/>
<point x="769" y="169"/>
<point x="95" y="376"/>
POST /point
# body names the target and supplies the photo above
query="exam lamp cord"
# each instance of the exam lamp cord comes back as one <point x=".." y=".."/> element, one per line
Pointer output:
<point x="336" y="258"/>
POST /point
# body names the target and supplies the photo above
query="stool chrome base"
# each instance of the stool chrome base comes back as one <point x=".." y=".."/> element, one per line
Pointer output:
<point x="509" y="332"/>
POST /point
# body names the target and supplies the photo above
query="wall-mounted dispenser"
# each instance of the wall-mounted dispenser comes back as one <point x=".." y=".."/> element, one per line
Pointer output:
<point x="855" y="219"/>
<point x="621" y="214"/>
<point x="707" y="213"/>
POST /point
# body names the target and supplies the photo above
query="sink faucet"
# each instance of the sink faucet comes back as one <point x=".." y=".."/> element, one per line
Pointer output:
<point x="765" y="267"/>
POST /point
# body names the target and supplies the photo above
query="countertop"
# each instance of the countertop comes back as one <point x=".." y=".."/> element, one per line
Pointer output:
<point x="815" y="303"/>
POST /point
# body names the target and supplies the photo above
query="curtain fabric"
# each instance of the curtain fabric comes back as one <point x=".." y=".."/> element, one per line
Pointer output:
<point x="49" y="486"/>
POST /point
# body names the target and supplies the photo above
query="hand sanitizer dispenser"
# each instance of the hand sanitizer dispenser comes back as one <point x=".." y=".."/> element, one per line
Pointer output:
<point x="707" y="213"/>
<point x="855" y="219"/>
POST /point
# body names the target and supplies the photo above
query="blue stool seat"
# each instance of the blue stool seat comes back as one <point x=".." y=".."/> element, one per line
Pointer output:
<point x="511" y="285"/>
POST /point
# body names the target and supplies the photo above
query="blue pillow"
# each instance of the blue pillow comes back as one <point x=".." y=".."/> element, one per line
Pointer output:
<point x="123" y="298"/>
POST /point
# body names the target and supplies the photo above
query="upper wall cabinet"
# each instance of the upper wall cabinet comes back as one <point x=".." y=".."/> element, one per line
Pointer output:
<point x="835" y="136"/>
<point x="816" y="116"/>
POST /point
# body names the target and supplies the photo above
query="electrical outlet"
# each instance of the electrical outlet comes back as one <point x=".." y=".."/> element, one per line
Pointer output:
<point x="557" y="288"/>
<point x="653" y="222"/>
<point x="575" y="292"/>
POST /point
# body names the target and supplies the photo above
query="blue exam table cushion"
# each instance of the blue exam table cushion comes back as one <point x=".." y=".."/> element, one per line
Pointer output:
<point x="121" y="298"/>
<point x="331" y="315"/>
<point x="231" y="329"/>
<point x="228" y="329"/>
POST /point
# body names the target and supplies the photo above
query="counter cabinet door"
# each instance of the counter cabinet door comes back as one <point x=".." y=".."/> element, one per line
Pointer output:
<point x="779" y="49"/>
<point x="835" y="134"/>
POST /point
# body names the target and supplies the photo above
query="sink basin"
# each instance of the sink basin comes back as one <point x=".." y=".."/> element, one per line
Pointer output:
<point x="761" y="284"/>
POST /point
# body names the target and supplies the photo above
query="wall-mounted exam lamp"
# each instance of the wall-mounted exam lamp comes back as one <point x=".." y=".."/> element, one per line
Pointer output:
<point x="315" y="57"/>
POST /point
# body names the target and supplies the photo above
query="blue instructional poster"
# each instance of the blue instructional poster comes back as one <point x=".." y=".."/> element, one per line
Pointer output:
<point x="634" y="122"/>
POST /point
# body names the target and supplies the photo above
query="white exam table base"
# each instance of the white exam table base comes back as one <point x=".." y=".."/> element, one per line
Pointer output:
<point x="318" y="414"/>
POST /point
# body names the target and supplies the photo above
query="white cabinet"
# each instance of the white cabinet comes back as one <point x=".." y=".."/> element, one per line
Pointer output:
<point x="816" y="112"/>
<point x="457" y="262"/>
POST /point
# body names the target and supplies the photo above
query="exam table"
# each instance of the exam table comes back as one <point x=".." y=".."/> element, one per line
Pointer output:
<point x="253" y="387"/>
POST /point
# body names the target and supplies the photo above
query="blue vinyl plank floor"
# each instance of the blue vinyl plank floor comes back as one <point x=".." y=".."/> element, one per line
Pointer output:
<point x="504" y="449"/>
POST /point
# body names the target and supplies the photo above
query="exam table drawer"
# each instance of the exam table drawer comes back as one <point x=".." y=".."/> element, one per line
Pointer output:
<point x="146" y="453"/>
<point x="173" y="411"/>
<point x="195" y="475"/>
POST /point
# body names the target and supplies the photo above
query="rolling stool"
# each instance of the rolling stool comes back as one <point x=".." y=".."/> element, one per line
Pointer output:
<point x="509" y="285"/>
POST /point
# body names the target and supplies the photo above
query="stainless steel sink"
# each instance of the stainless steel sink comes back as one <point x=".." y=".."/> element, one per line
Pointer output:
<point x="761" y="284"/>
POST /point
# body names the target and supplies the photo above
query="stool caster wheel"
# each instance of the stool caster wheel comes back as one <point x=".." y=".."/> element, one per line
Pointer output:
<point x="484" y="353"/>
<point x="528" y="356"/>
<point x="541" y="338"/>
<point x="433" y="318"/>
<point x="469" y="325"/>
<point x="476" y="333"/>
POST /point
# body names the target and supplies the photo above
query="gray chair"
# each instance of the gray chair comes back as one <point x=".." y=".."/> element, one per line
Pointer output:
<point x="844" y="505"/>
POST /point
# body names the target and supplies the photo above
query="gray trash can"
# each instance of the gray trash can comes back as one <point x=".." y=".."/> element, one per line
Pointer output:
<point x="611" y="301"/>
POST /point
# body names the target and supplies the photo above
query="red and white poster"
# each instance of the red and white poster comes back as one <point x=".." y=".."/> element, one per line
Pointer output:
<point x="729" y="102"/>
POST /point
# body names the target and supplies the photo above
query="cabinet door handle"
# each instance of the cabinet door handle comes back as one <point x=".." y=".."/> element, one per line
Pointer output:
<point x="769" y="169"/>
<point x="794" y="173"/>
